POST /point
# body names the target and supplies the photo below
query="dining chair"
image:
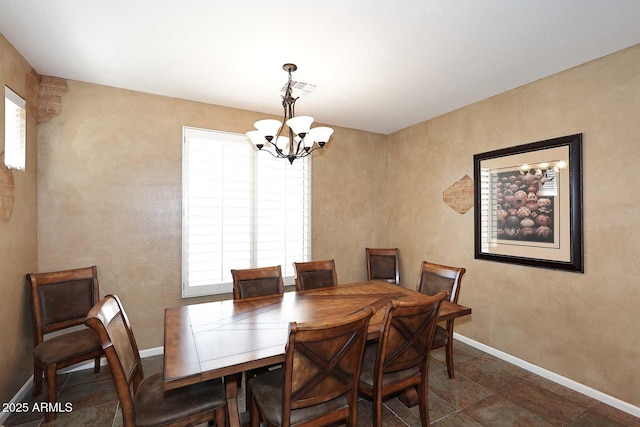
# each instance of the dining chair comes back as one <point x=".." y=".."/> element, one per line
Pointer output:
<point x="434" y="278"/>
<point x="315" y="274"/>
<point x="399" y="360"/>
<point x="142" y="400"/>
<point x="61" y="300"/>
<point x="257" y="282"/>
<point x="318" y="384"/>
<point x="382" y="264"/>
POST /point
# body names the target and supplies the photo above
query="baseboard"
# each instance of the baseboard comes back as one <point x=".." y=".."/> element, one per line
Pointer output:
<point x="17" y="398"/>
<point x="103" y="361"/>
<point x="27" y="386"/>
<point x="552" y="376"/>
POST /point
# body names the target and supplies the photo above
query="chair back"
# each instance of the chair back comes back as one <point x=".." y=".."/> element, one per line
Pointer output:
<point x="257" y="282"/>
<point x="323" y="361"/>
<point x="382" y="264"/>
<point x="109" y="320"/>
<point x="315" y="274"/>
<point x="406" y="334"/>
<point x="435" y="278"/>
<point x="61" y="299"/>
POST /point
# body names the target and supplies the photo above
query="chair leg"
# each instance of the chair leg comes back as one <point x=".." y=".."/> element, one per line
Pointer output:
<point x="352" y="420"/>
<point x="255" y="414"/>
<point x="449" y="357"/>
<point x="51" y="392"/>
<point x="246" y="376"/>
<point x="37" y="379"/>
<point x="423" y="397"/>
<point x="449" y="348"/>
<point x="96" y="365"/>
<point x="221" y="417"/>
<point x="376" y="405"/>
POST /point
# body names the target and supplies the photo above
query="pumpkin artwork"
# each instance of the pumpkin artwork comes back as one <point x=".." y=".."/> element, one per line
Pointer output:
<point x="521" y="212"/>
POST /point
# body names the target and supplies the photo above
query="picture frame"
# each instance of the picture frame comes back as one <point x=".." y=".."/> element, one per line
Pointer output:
<point x="528" y="204"/>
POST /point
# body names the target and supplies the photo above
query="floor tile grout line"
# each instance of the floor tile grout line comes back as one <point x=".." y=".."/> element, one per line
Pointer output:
<point x="65" y="382"/>
<point x="396" y="415"/>
<point x="449" y="415"/>
<point x="115" y="415"/>
<point x="504" y="389"/>
<point x="585" y="409"/>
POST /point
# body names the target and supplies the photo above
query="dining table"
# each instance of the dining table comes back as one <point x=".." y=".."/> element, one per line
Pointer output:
<point x="223" y="339"/>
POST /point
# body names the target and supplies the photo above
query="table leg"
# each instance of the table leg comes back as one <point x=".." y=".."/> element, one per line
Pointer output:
<point x="409" y="397"/>
<point x="231" y="389"/>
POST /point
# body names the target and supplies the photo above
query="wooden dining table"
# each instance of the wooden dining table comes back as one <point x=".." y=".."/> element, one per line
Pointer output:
<point x="223" y="339"/>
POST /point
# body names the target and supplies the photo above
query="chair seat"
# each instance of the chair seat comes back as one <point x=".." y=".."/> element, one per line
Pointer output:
<point x="267" y="390"/>
<point x="152" y="403"/>
<point x="440" y="338"/>
<point x="368" y="365"/>
<point x="67" y="346"/>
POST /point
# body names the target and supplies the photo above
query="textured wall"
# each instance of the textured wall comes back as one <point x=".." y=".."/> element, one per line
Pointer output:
<point x="18" y="244"/>
<point x="582" y="326"/>
<point x="50" y="93"/>
<point x="109" y="193"/>
<point x="349" y="211"/>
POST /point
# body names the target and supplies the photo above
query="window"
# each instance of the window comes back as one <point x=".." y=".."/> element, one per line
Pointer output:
<point x="15" y="135"/>
<point x="240" y="209"/>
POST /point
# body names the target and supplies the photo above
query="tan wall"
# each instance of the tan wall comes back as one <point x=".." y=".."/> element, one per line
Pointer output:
<point x="110" y="194"/>
<point x="349" y="202"/>
<point x="582" y="326"/>
<point x="18" y="244"/>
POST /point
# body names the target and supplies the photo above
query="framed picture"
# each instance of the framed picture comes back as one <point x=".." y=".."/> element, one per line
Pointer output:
<point x="528" y="204"/>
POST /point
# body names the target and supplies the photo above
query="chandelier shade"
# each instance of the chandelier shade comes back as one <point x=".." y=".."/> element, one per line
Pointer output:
<point x="268" y="128"/>
<point x="302" y="139"/>
<point x="321" y="135"/>
<point x="300" y="125"/>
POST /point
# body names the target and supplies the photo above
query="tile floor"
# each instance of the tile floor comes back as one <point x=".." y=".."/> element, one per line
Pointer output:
<point x="486" y="392"/>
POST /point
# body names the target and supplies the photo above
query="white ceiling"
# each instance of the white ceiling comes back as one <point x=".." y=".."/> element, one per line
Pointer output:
<point x="380" y="65"/>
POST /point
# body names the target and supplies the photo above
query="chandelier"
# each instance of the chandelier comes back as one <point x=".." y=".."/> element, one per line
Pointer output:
<point x="301" y="141"/>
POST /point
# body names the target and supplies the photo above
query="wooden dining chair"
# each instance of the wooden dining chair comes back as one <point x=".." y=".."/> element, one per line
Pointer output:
<point x="257" y="282"/>
<point x="382" y="264"/>
<point x="315" y="274"/>
<point x="61" y="300"/>
<point x="142" y="400"/>
<point x="319" y="382"/>
<point x="433" y="279"/>
<point x="400" y="358"/>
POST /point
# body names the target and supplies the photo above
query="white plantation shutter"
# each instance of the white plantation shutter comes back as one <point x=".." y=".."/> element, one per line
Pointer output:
<point x="283" y="215"/>
<point x="15" y="133"/>
<point x="241" y="209"/>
